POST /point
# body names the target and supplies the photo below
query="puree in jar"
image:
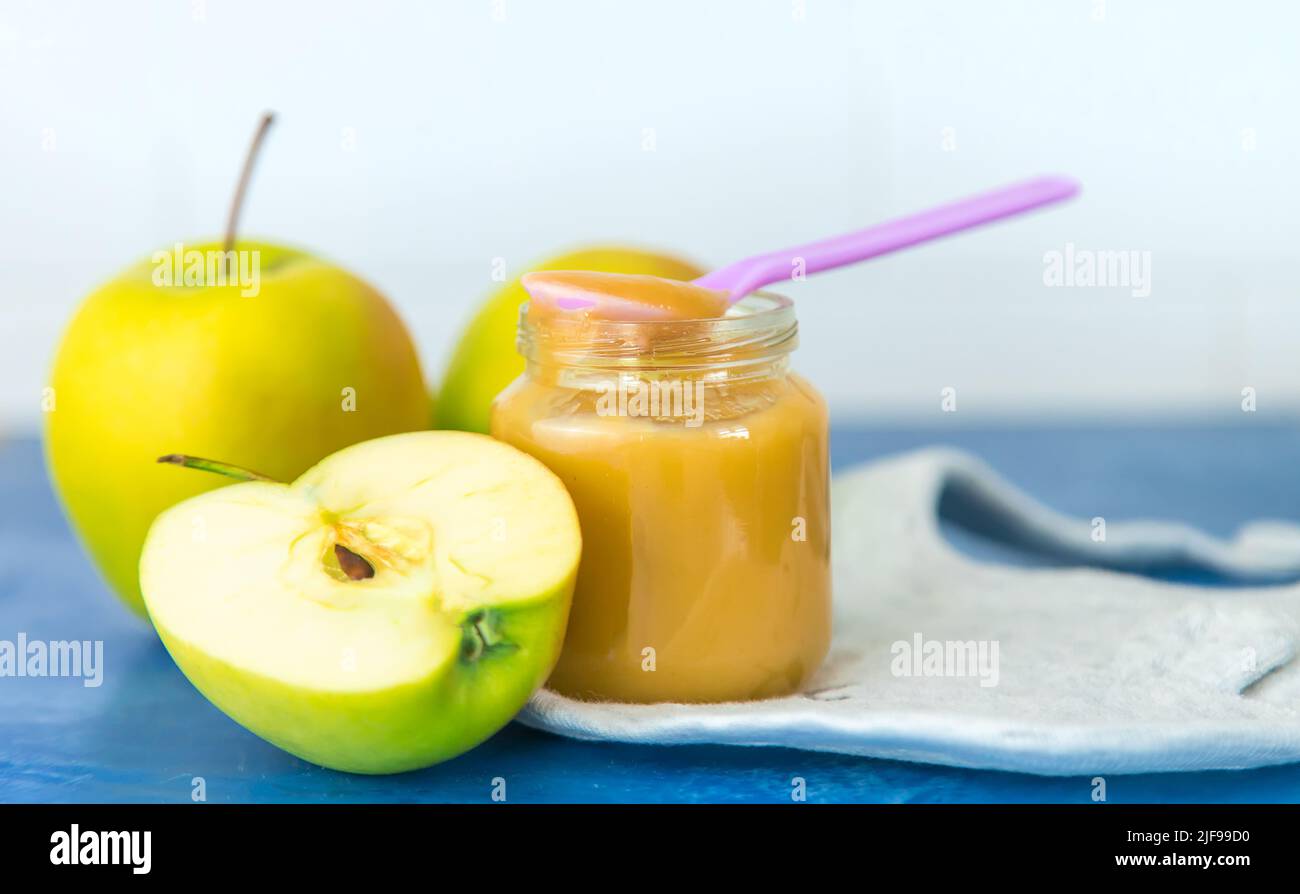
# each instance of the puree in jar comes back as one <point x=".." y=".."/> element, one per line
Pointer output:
<point x="698" y="463"/>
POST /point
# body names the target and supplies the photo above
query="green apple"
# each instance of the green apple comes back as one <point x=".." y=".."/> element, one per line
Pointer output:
<point x="274" y="372"/>
<point x="391" y="608"/>
<point x="316" y="361"/>
<point x="485" y="360"/>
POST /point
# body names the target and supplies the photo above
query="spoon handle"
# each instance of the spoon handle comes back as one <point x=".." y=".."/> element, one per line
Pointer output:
<point x="743" y="277"/>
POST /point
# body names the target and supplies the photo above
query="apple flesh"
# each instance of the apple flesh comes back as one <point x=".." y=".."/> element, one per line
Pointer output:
<point x="390" y="609"/>
<point x="276" y="381"/>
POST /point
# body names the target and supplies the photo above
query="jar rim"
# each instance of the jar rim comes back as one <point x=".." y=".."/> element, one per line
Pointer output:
<point x="759" y="328"/>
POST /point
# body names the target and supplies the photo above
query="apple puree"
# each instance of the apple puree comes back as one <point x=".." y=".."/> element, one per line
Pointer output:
<point x="614" y="296"/>
<point x="705" y="518"/>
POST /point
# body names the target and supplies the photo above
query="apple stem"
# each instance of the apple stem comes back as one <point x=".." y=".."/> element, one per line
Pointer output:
<point x="212" y="465"/>
<point x="237" y="203"/>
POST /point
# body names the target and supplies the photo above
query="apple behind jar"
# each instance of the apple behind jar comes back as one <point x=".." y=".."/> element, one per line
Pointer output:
<point x="390" y="609"/>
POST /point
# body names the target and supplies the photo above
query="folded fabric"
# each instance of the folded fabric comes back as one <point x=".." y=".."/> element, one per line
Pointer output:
<point x="1073" y="665"/>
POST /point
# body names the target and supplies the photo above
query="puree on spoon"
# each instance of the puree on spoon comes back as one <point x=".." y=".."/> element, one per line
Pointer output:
<point x="617" y="296"/>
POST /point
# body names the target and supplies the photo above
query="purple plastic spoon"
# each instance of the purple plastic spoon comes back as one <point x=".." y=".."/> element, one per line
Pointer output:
<point x="743" y="277"/>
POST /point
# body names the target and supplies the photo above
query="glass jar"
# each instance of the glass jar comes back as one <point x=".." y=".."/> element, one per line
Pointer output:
<point x="699" y="466"/>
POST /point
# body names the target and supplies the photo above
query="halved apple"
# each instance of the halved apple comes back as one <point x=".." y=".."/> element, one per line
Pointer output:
<point x="392" y="608"/>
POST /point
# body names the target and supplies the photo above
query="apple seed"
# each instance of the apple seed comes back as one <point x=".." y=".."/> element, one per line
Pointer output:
<point x="355" y="567"/>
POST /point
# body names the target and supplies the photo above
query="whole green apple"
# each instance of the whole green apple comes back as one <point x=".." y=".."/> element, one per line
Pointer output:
<point x="273" y="374"/>
<point x="485" y="360"/>
<point x="392" y="608"/>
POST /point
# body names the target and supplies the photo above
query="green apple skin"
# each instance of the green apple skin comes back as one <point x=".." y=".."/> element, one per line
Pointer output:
<point x="257" y="619"/>
<point x="145" y="370"/>
<point x="409" y="727"/>
<point x="485" y="360"/>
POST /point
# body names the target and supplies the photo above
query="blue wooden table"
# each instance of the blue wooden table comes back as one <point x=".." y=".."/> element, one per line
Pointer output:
<point x="145" y="734"/>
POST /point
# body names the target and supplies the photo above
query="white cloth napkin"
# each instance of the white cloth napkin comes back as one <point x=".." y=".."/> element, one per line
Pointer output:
<point x="1098" y="669"/>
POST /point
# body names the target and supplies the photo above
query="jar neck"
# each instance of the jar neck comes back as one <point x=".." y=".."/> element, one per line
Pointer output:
<point x="752" y="342"/>
<point x="586" y="377"/>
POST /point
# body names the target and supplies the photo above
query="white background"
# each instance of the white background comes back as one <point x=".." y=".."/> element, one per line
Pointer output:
<point x="514" y="129"/>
